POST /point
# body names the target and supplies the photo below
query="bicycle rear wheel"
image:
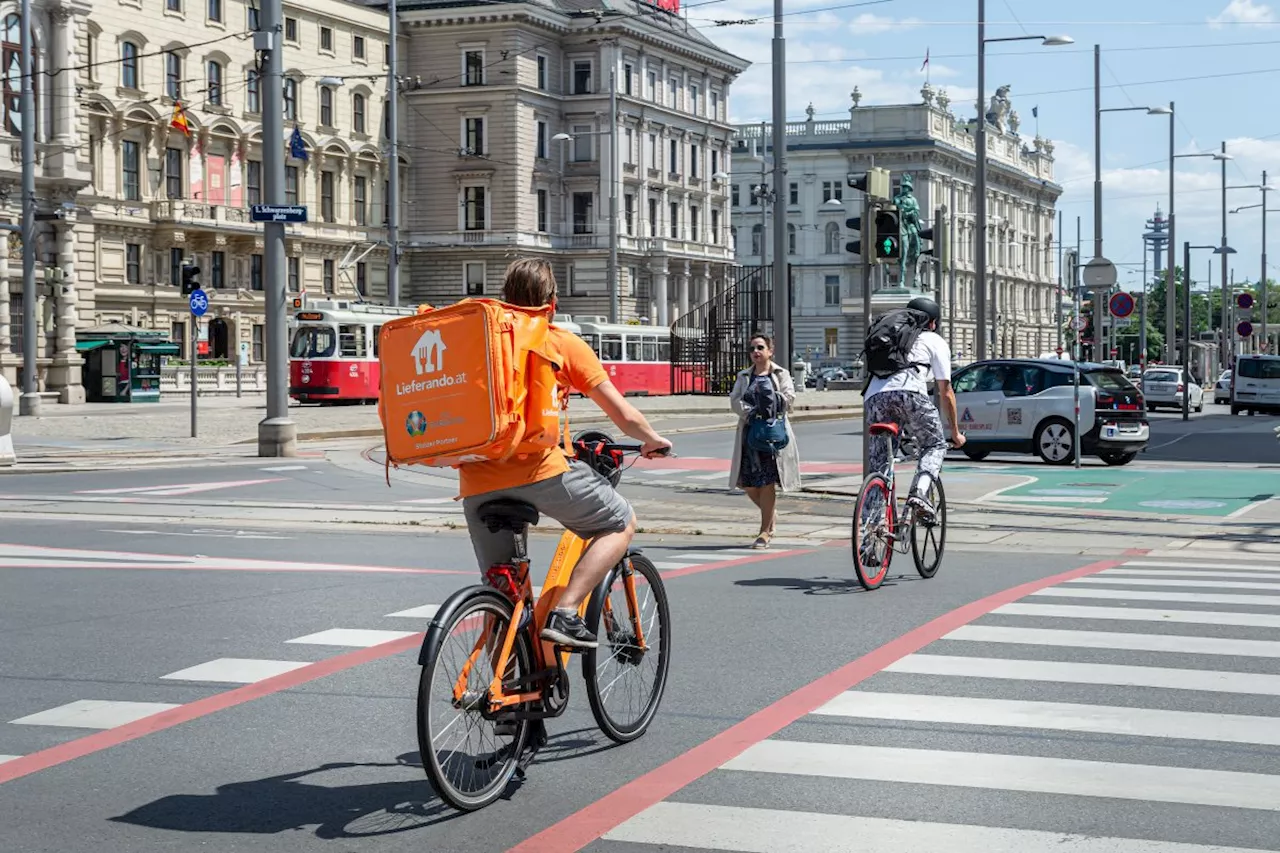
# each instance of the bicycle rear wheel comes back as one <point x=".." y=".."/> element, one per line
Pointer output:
<point x="873" y="525"/>
<point x="929" y="540"/>
<point x="624" y="680"/>
<point x="468" y="753"/>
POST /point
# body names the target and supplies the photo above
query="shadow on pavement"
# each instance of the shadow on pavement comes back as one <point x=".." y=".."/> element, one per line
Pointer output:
<point x="821" y="585"/>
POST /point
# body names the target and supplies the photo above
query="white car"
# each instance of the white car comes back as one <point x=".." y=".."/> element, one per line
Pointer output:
<point x="1255" y="387"/>
<point x="1222" y="388"/>
<point x="1028" y="406"/>
<point x="1165" y="385"/>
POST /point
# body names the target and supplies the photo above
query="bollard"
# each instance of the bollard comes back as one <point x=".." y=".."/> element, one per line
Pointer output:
<point x="7" y="456"/>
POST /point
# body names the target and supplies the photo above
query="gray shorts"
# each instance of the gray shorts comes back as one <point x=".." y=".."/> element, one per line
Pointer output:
<point x="580" y="499"/>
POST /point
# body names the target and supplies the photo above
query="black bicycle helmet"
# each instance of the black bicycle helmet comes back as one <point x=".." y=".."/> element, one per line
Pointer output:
<point x="926" y="306"/>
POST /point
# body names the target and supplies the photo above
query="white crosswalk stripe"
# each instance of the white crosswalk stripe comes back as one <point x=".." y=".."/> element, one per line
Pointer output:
<point x="1049" y="713"/>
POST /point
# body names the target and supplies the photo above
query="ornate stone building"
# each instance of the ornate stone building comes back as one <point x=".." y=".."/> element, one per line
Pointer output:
<point x="492" y="87"/>
<point x="927" y="141"/>
<point x="138" y="197"/>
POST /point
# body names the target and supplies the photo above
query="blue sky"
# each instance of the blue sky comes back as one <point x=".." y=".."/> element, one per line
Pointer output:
<point x="1214" y="58"/>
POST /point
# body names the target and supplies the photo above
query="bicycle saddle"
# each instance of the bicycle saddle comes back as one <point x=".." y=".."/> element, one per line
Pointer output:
<point x="510" y="515"/>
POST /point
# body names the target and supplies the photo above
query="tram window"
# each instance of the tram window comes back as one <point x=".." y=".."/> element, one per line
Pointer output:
<point x="351" y="341"/>
<point x="377" y="332"/>
<point x="664" y="350"/>
<point x="314" y="342"/>
<point x="611" y="348"/>
<point x="633" y="348"/>
<point x="594" y="342"/>
<point x="650" y="349"/>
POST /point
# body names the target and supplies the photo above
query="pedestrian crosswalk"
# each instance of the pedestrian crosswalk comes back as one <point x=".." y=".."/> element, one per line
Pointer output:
<point x="1132" y="710"/>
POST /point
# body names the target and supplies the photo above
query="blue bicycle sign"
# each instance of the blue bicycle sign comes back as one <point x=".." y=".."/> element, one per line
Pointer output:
<point x="199" y="303"/>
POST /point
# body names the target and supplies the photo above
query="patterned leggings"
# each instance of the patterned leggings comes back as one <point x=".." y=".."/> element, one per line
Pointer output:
<point x="917" y="415"/>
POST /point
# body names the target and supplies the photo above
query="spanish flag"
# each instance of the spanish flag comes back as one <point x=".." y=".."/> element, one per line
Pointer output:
<point x="179" y="120"/>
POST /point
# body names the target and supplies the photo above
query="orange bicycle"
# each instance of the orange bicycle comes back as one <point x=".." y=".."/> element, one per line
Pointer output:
<point x="489" y="680"/>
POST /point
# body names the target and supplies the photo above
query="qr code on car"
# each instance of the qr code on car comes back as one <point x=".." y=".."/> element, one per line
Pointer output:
<point x="1015" y="416"/>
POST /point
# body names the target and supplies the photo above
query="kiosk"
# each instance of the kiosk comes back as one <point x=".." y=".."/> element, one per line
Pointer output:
<point x="122" y="363"/>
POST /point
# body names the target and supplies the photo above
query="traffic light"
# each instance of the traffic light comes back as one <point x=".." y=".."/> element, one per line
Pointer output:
<point x="189" y="283"/>
<point x="886" y="237"/>
<point x="857" y="226"/>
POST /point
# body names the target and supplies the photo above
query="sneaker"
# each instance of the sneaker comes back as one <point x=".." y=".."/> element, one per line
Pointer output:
<point x="567" y="628"/>
<point x="924" y="510"/>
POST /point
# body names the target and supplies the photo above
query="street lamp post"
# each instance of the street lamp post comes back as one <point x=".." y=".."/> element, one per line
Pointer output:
<point x="1186" y="319"/>
<point x="980" y="143"/>
<point x="1171" y="288"/>
<point x="1264" y="188"/>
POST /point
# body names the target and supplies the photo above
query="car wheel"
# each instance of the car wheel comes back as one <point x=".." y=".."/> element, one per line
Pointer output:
<point x="1200" y="406"/>
<point x="1117" y="458"/>
<point x="1055" y="442"/>
<point x="1235" y="410"/>
<point x="975" y="455"/>
<point x="1151" y="407"/>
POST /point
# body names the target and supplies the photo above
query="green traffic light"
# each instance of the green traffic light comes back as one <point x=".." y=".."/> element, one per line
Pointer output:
<point x="888" y="245"/>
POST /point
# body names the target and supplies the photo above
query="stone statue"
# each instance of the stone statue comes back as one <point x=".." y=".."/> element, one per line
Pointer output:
<point x="809" y="111"/>
<point x="856" y="97"/>
<point x="944" y="100"/>
<point x="926" y="92"/>
<point x="1014" y="121"/>
<point x="999" y="108"/>
<point x="909" y="219"/>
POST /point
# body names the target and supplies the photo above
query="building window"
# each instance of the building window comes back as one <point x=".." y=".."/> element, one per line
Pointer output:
<point x="362" y="278"/>
<point x="832" y="190"/>
<point x="359" y="199"/>
<point x="793" y="194"/>
<point x="473" y="136"/>
<point x="253" y="181"/>
<point x="173" y="5"/>
<point x="757" y="239"/>
<point x="131" y="165"/>
<point x="627" y="73"/>
<point x="653" y="217"/>
<point x="542" y="211"/>
<point x="694" y="99"/>
<point x="542" y="72"/>
<point x="693" y="224"/>
<point x="673" y="93"/>
<point x="357" y="113"/>
<point x="715" y="162"/>
<point x="715" y="106"/>
<point x="791" y="239"/>
<point x="291" y="29"/>
<point x="326" y="107"/>
<point x="290" y="99"/>
<point x="715" y="226"/>
<point x="674" y="221"/>
<point x="473" y="68"/>
<point x="255" y="272"/>
<point x="693" y="161"/>
<point x="128" y="64"/>
<point x="252" y="17"/>
<point x="831" y="290"/>
<point x="582" y="77"/>
<point x="290" y="184"/>
<point x="629" y="151"/>
<point x="357" y="47"/>
<point x="173" y="75"/>
<point x="831" y="342"/>
<point x="215" y="10"/>
<point x="473" y="203"/>
<point x="329" y="276"/>
<point x="541" y="143"/>
<point x="629" y="214"/>
<point x="173" y="158"/>
<point x="175" y="266"/>
<point x="832" y="239"/>
<point x="673" y="164"/>
<point x="294" y="275"/>
<point x="326" y="195"/>
<point x="253" y="90"/>
<point x="326" y="38"/>
<point x="651" y="84"/>
<point x="653" y="151"/>
<point x="583" y="214"/>
<point x="217" y="269"/>
<point x="735" y="198"/>
<point x="178" y="334"/>
<point x="213" y="84"/>
<point x="259" y="341"/>
<point x="473" y="278"/>
<point x="133" y="263"/>
<point x="582" y="148"/>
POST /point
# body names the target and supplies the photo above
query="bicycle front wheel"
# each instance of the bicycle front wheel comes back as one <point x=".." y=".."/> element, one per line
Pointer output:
<point x="627" y="673"/>
<point x="873" y="531"/>
<point x="470" y="754"/>
<point x="929" y="539"/>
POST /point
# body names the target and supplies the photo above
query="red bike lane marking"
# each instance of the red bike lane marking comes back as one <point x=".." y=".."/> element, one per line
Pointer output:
<point x="69" y="751"/>
<point x="581" y="828"/>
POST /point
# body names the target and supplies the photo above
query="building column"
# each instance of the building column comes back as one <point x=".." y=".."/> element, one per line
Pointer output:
<point x="8" y="361"/>
<point x="658" y="271"/>
<point x="65" y="372"/>
<point x="682" y="290"/>
<point x="703" y="282"/>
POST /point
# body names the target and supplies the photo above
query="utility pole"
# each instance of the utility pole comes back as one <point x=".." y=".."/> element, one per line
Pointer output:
<point x="277" y="434"/>
<point x="951" y="269"/>
<point x="781" y="286"/>
<point x="29" y="402"/>
<point x="980" y="192"/>
<point x="614" y="308"/>
<point x="1222" y="261"/>
<point x="1266" y="338"/>
<point x="393" y="156"/>
<point x="1061" y="292"/>
<point x="1171" y="286"/>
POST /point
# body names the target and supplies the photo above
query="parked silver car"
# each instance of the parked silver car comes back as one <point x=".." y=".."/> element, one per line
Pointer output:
<point x="1222" y="388"/>
<point x="1165" y="385"/>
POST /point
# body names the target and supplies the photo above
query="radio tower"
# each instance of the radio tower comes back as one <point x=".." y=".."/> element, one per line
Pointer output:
<point x="1155" y="242"/>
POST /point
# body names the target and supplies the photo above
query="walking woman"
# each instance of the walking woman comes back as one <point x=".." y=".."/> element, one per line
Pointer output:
<point x="764" y="390"/>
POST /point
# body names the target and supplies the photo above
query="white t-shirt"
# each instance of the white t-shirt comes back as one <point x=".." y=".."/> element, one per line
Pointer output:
<point x="930" y="349"/>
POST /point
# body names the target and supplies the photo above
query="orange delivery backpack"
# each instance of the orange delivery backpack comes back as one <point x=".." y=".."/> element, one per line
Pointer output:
<point x="470" y="382"/>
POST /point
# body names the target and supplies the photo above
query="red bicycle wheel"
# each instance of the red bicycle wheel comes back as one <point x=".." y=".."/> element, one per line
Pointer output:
<point x="873" y="526"/>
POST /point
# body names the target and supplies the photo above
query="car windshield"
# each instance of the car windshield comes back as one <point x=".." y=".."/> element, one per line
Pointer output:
<point x="1110" y="381"/>
<point x="1259" y="368"/>
<point x="1161" y="376"/>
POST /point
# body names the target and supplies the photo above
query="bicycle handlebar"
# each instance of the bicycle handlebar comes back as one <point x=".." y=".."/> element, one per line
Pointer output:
<point x="615" y="447"/>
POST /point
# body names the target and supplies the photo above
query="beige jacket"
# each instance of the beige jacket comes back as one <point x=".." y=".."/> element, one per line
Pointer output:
<point x="789" y="458"/>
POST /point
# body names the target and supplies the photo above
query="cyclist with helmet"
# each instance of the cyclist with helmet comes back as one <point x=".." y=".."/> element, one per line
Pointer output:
<point x="903" y="399"/>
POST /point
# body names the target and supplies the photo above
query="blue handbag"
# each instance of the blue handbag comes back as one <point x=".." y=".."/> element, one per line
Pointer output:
<point x="767" y="435"/>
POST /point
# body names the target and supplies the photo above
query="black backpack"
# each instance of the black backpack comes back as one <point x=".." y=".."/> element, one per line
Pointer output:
<point x="888" y="346"/>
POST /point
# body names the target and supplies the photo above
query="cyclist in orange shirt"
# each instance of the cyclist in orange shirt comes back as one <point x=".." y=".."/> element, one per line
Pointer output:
<point x="560" y="487"/>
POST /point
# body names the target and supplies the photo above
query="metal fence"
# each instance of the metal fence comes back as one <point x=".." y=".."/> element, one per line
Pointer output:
<point x="709" y="344"/>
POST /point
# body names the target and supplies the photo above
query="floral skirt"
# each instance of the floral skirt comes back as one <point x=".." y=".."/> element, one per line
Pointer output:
<point x="757" y="469"/>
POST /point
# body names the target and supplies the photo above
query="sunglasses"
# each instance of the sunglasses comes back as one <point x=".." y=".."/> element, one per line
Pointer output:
<point x="759" y="348"/>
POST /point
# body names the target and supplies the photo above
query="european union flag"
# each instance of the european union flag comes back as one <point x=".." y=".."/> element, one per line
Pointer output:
<point x="297" y="148"/>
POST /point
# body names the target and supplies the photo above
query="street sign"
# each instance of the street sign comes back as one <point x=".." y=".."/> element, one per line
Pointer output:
<point x="244" y="352"/>
<point x="1079" y="323"/>
<point x="1244" y="301"/>
<point x="1109" y="322"/>
<point x="278" y="213"/>
<point x="1121" y="304"/>
<point x="199" y="303"/>
<point x="1245" y="329"/>
<point x="1098" y="273"/>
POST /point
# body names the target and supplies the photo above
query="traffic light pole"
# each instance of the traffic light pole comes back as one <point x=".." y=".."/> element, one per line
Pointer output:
<point x="781" y="284"/>
<point x="868" y="228"/>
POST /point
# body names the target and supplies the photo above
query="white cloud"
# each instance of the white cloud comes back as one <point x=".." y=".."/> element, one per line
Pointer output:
<point x="868" y="24"/>
<point x="1244" y="12"/>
